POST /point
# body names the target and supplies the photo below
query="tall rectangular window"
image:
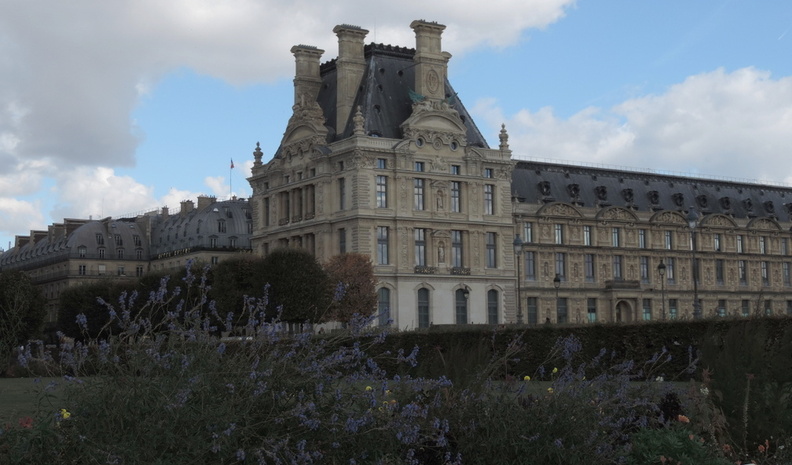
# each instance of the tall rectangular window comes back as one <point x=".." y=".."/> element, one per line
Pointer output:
<point x="562" y="312"/>
<point x="742" y="272"/>
<point x="456" y="249"/>
<point x="382" y="245"/>
<point x="489" y="173"/>
<point x="559" y="233"/>
<point x="383" y="306"/>
<point x="591" y="306"/>
<point x="456" y="196"/>
<point x="740" y="247"/>
<point x="673" y="309"/>
<point x="455" y="170"/>
<point x="528" y="233"/>
<point x="768" y="307"/>
<point x="721" y="311"/>
<point x="616" y="237"/>
<point x="530" y="266"/>
<point x="784" y="246"/>
<point x="560" y="265"/>
<point x="418" y="194"/>
<point x="492" y="250"/>
<point x="382" y="164"/>
<point x="716" y="242"/>
<point x="671" y="279"/>
<point x="765" y="274"/>
<point x="461" y="306"/>
<point x="647" y="309"/>
<point x="139" y="271"/>
<point x="641" y="238"/>
<point x="532" y="310"/>
<point x="669" y="240"/>
<point x="341" y="194"/>
<point x="586" y="235"/>
<point x="489" y="199"/>
<point x="589" y="265"/>
<point x="342" y="248"/>
<point x="424" y="319"/>
<point x="382" y="191"/>
<point x="785" y="267"/>
<point x="617" y="267"/>
<point x="81" y="270"/>
<point x="745" y="307"/>
<point x="420" y="247"/>
<point x="719" y="272"/>
<point x="266" y="212"/>
<point x="419" y="166"/>
<point x="492" y="307"/>
<point x="644" y="264"/>
<point x="762" y="245"/>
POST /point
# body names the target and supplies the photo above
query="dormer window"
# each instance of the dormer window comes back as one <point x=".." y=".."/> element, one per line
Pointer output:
<point x="82" y="251"/>
<point x="221" y="226"/>
<point x="99" y="239"/>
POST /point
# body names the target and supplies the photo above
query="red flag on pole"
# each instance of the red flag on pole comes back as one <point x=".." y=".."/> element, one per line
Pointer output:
<point x="232" y="163"/>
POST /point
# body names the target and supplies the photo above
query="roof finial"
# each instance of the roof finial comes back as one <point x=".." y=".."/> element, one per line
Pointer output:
<point x="257" y="154"/>
<point x="504" y="138"/>
<point x="359" y="122"/>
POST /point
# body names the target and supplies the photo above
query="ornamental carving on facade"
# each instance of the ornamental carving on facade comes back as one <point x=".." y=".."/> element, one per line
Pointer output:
<point x="627" y="195"/>
<point x="602" y="192"/>
<point x="725" y="203"/>
<point x="669" y="217"/>
<point x="701" y="201"/>
<point x="678" y="198"/>
<point x="654" y="197"/>
<point x="769" y="207"/>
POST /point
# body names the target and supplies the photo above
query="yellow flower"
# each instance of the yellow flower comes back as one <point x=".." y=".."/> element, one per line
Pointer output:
<point x="526" y="378"/>
<point x="65" y="414"/>
<point x="387" y="392"/>
<point x="368" y="388"/>
<point x="550" y="390"/>
<point x="555" y="370"/>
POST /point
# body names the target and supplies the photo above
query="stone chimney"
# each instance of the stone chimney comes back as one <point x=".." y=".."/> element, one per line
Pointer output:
<point x="431" y="62"/>
<point x="204" y="201"/>
<point x="350" y="66"/>
<point x="165" y="213"/>
<point x="307" y="81"/>
<point x="186" y="207"/>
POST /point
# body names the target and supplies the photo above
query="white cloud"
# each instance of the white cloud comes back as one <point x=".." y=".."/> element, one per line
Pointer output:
<point x="99" y="192"/>
<point x="736" y="124"/>
<point x="18" y="217"/>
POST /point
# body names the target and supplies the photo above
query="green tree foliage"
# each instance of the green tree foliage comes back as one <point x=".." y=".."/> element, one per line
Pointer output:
<point x="351" y="277"/>
<point x="22" y="312"/>
<point x="298" y="286"/>
<point x="232" y="280"/>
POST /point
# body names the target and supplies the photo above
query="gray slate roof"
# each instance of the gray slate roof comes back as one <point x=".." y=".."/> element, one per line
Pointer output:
<point x="539" y="182"/>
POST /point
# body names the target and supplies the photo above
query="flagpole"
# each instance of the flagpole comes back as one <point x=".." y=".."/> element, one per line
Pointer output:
<point x="230" y="180"/>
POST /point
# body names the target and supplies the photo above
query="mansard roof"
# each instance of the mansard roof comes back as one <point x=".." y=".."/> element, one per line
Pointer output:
<point x="541" y="182"/>
<point x="384" y="96"/>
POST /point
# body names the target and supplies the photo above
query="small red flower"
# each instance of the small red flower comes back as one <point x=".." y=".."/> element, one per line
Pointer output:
<point x="26" y="422"/>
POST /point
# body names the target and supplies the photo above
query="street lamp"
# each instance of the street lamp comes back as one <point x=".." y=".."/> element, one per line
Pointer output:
<point x="661" y="269"/>
<point x="692" y="219"/>
<point x="518" y="243"/>
<point x="556" y="285"/>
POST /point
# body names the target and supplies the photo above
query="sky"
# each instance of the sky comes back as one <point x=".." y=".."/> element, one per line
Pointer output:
<point x="114" y="108"/>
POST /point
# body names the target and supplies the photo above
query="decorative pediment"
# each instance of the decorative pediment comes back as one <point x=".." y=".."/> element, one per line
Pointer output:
<point x="305" y="130"/>
<point x="616" y="214"/>
<point x="667" y="217"/>
<point x="435" y="122"/>
<point x="768" y="224"/>
<point x="719" y="221"/>
<point x="559" y="209"/>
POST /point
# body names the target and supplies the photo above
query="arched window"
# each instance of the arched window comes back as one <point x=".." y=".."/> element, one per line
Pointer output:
<point x="460" y="303"/>
<point x="492" y="307"/>
<point x="423" y="308"/>
<point x="383" y="306"/>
